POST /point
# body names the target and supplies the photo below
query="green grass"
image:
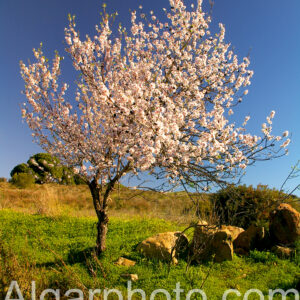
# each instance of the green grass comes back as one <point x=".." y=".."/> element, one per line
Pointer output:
<point x="56" y="252"/>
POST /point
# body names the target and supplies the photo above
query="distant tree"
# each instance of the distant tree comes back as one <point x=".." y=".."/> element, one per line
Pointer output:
<point x="21" y="168"/>
<point x="46" y="168"/>
<point x="157" y="99"/>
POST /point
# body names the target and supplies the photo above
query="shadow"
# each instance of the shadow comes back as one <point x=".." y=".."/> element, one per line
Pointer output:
<point x="51" y="264"/>
<point x="81" y="256"/>
<point x="75" y="256"/>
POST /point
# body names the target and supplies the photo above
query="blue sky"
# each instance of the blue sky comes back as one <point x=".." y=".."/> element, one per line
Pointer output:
<point x="267" y="29"/>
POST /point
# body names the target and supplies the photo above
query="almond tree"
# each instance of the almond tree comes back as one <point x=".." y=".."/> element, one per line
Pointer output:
<point x="158" y="97"/>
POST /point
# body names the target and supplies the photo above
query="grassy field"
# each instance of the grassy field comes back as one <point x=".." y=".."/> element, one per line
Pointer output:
<point x="47" y="234"/>
<point x="54" y="200"/>
<point x="57" y="252"/>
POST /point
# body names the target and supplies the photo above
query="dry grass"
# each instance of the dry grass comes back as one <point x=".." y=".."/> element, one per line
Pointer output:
<point x="53" y="200"/>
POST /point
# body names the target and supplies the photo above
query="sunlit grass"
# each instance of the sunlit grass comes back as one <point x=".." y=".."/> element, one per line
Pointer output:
<point x="57" y="253"/>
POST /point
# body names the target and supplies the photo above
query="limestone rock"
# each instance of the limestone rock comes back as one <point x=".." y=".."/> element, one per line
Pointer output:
<point x="122" y="261"/>
<point x="285" y="224"/>
<point x="249" y="239"/>
<point x="234" y="230"/>
<point x="161" y="245"/>
<point x="211" y="243"/>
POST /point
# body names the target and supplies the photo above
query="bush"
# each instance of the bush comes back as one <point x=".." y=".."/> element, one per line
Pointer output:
<point x="22" y="180"/>
<point x="242" y="206"/>
<point x="262" y="256"/>
<point x="46" y="168"/>
<point x="21" y="168"/>
<point x="3" y="179"/>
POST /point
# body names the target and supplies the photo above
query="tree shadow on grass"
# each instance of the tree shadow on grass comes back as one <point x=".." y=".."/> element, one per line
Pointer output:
<point x="49" y="264"/>
<point x="81" y="256"/>
<point x="75" y="256"/>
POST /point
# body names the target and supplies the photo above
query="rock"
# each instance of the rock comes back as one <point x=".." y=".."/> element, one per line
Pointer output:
<point x="234" y="230"/>
<point x="132" y="277"/>
<point x="211" y="243"/>
<point x="222" y="246"/>
<point x="249" y="239"/>
<point x="122" y="261"/>
<point x="284" y="224"/>
<point x="283" y="252"/>
<point x="161" y="245"/>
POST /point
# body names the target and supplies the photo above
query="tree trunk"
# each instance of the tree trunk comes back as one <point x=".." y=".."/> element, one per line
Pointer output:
<point x="100" y="199"/>
<point x="102" y="227"/>
<point x="100" y="205"/>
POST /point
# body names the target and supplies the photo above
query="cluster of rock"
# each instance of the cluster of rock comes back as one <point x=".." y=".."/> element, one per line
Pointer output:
<point x="219" y="244"/>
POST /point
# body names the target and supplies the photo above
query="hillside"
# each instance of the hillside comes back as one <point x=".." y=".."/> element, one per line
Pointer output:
<point x="53" y="200"/>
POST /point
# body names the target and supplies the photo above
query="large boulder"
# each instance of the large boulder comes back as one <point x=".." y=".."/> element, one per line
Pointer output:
<point x="210" y="243"/>
<point x="284" y="224"/>
<point x="249" y="239"/>
<point x="234" y="230"/>
<point x="164" y="246"/>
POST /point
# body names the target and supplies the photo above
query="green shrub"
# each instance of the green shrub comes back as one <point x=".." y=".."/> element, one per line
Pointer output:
<point x="245" y="205"/>
<point x="3" y="179"/>
<point x="21" y="168"/>
<point x="46" y="168"/>
<point x="262" y="256"/>
<point x="22" y="180"/>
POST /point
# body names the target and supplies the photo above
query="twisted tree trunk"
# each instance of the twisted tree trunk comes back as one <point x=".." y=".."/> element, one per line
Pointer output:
<point x="100" y="201"/>
<point x="100" y="205"/>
